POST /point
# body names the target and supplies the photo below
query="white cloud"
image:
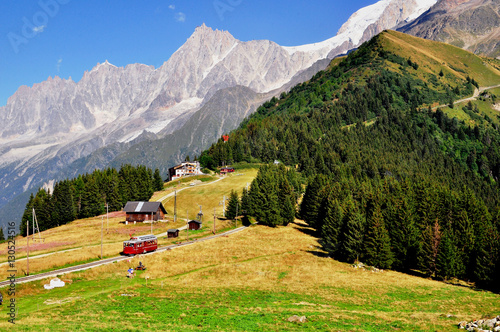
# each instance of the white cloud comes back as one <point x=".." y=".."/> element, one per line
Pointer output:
<point x="39" y="29"/>
<point x="171" y="7"/>
<point x="180" y="17"/>
<point x="58" y="65"/>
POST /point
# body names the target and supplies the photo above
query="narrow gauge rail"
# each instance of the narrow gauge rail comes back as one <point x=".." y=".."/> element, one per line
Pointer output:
<point x="111" y="260"/>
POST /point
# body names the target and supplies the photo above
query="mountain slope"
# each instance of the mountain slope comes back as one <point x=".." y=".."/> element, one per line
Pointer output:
<point x="61" y="127"/>
<point x="473" y="25"/>
<point x="387" y="77"/>
<point x="392" y="182"/>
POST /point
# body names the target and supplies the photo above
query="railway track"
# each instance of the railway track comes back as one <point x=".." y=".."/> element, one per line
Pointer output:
<point x="91" y="265"/>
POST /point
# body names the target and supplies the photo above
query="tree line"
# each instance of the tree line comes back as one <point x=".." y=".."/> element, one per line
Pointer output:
<point x="406" y="225"/>
<point x="87" y="195"/>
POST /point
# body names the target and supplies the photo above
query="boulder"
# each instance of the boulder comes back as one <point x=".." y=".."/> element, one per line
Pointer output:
<point x="297" y="319"/>
<point x="490" y="322"/>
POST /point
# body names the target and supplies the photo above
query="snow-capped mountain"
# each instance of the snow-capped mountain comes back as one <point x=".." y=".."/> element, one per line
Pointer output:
<point x="366" y="23"/>
<point x="48" y="128"/>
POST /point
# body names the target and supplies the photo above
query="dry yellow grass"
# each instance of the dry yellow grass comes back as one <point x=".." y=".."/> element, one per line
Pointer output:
<point x="208" y="195"/>
<point x="80" y="240"/>
<point x="273" y="260"/>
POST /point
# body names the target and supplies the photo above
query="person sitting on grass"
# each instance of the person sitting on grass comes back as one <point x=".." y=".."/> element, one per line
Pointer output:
<point x="130" y="272"/>
<point x="140" y="267"/>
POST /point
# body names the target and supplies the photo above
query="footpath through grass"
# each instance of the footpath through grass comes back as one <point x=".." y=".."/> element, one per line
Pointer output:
<point x="250" y="281"/>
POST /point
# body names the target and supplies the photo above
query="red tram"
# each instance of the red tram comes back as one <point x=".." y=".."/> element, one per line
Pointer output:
<point x="140" y="245"/>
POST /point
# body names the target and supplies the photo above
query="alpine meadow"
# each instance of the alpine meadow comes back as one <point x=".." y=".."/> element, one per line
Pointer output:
<point x="351" y="184"/>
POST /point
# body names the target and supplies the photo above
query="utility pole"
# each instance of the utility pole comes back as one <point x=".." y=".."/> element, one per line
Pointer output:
<point x="151" y="223"/>
<point x="28" y="247"/>
<point x="102" y="226"/>
<point x="35" y="220"/>
<point x="214" y="220"/>
<point x="187" y="223"/>
<point x="175" y="205"/>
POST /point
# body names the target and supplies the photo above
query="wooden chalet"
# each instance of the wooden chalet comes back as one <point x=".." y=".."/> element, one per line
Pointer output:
<point x="194" y="225"/>
<point x="184" y="169"/>
<point x="226" y="170"/>
<point x="144" y="211"/>
<point x="172" y="233"/>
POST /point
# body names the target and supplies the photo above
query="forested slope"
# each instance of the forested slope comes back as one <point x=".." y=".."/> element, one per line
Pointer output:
<point x="392" y="182"/>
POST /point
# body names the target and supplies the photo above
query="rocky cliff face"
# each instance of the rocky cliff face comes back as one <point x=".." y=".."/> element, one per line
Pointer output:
<point x="470" y="24"/>
<point x="59" y="128"/>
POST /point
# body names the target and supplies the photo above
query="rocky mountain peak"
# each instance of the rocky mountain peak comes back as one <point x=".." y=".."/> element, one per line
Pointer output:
<point x="473" y="25"/>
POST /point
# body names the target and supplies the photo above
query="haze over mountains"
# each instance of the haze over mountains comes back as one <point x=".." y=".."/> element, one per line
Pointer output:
<point x="138" y="114"/>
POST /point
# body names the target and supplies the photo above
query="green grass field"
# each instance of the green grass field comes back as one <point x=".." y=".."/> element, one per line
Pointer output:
<point x="251" y="281"/>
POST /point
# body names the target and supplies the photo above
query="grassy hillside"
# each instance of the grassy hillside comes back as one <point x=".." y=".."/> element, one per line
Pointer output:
<point x="432" y="57"/>
<point x="251" y="281"/>
<point x="383" y="154"/>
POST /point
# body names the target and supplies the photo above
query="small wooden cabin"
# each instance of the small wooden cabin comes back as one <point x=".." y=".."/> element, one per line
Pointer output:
<point x="226" y="170"/>
<point x="173" y="233"/>
<point x="194" y="225"/>
<point x="144" y="211"/>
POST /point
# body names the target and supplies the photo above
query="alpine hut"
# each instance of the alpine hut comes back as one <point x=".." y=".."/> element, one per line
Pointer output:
<point x="144" y="211"/>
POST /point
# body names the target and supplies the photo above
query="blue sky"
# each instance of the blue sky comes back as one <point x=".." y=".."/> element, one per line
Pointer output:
<point x="42" y="38"/>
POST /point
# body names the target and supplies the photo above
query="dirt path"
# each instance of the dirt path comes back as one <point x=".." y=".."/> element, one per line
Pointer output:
<point x="476" y="94"/>
<point x="161" y="199"/>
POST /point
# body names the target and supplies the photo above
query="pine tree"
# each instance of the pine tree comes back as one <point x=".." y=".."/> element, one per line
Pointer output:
<point x="377" y="245"/>
<point x="2" y="236"/>
<point x="246" y="204"/>
<point x="446" y="258"/>
<point x="233" y="206"/>
<point x="404" y="234"/>
<point x="42" y="205"/>
<point x="63" y="208"/>
<point x="429" y="246"/>
<point x="92" y="204"/>
<point x="79" y="188"/>
<point x="286" y="197"/>
<point x="113" y="196"/>
<point x="332" y="227"/>
<point x="27" y="216"/>
<point x="351" y="246"/>
<point x="158" y="181"/>
<point x="264" y="197"/>
<point x="311" y="201"/>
